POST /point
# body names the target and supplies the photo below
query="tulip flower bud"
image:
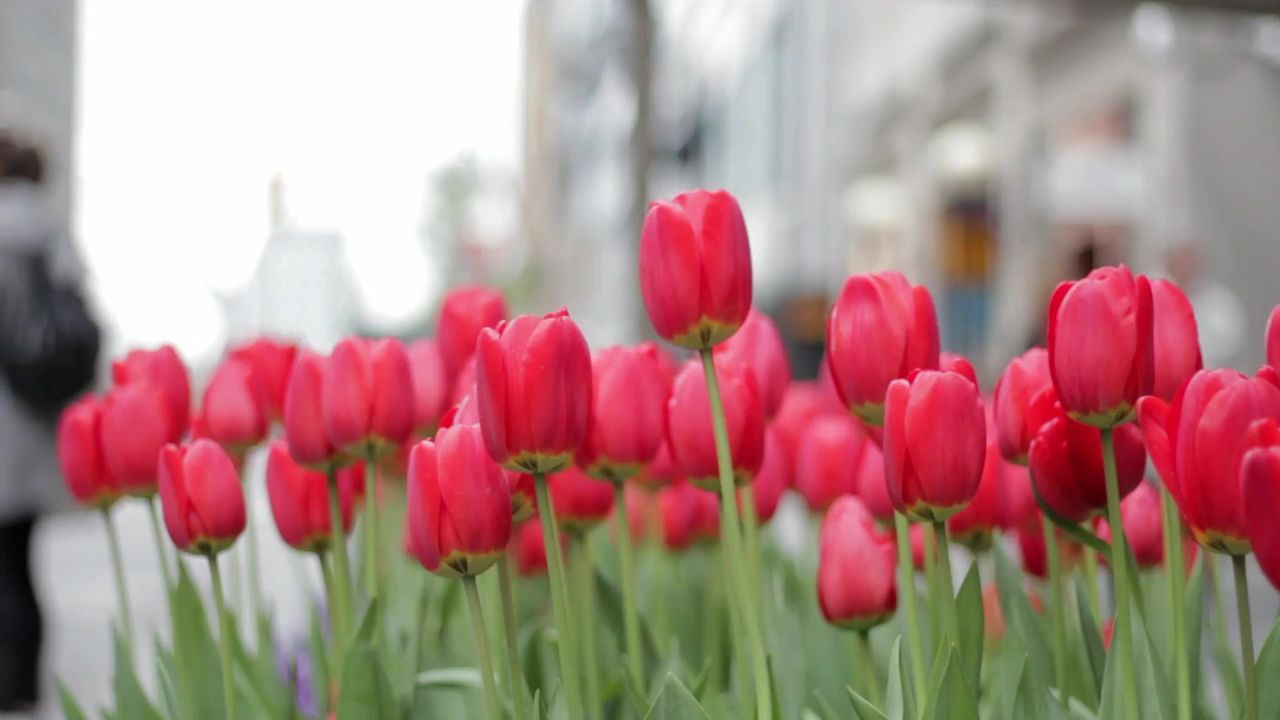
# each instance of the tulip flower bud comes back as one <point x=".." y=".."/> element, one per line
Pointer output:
<point x="430" y="386"/>
<point x="935" y="438"/>
<point x="271" y="361"/>
<point x="695" y="268"/>
<point x="80" y="454"/>
<point x="201" y="497"/>
<point x="801" y="404"/>
<point x="459" y="503"/>
<point x="234" y="411"/>
<point x="872" y="490"/>
<point x="856" y="585"/>
<point x="1143" y="525"/>
<point x="1175" y="339"/>
<point x="689" y="431"/>
<point x="465" y="312"/>
<point x="957" y="363"/>
<point x="530" y="549"/>
<point x="300" y="499"/>
<point x="581" y="501"/>
<point x="163" y="368"/>
<point x="1031" y="547"/>
<point x="773" y="478"/>
<point x="919" y="537"/>
<point x="662" y="471"/>
<point x="133" y="427"/>
<point x="1260" y="488"/>
<point x="1067" y="466"/>
<point x="1201" y="439"/>
<point x="1100" y="345"/>
<point x="1020" y="499"/>
<point x="368" y="403"/>
<point x="1026" y="376"/>
<point x="533" y="387"/>
<point x="974" y="525"/>
<point x="758" y="345"/>
<point x="688" y="515"/>
<point x="880" y="329"/>
<point x="1273" y="338"/>
<point x="827" y="462"/>
<point x="304" y="429"/>
<point x="628" y="421"/>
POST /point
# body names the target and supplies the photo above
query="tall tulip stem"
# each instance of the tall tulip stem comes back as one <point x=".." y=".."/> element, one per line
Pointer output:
<point x="1177" y="602"/>
<point x="1123" y="640"/>
<point x="630" y="618"/>
<point x="516" y="679"/>
<point x="907" y="570"/>
<point x="559" y="598"/>
<point x="371" y="541"/>
<point x="751" y="538"/>
<point x="482" y="647"/>
<point x="225" y="628"/>
<point x="335" y="621"/>
<point x="731" y="538"/>
<point x="865" y="666"/>
<point x="584" y="591"/>
<point x="1054" y="560"/>
<point x="340" y="605"/>
<point x="1245" y="621"/>
<point x="943" y="550"/>
<point x="158" y="534"/>
<point x="1092" y="595"/>
<point x="117" y="569"/>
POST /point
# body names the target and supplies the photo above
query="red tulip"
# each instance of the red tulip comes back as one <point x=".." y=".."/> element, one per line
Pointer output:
<point x="80" y="454"/>
<point x="524" y="498"/>
<point x="706" y="517"/>
<point x="920" y="539"/>
<point x="1197" y="444"/>
<point x="1030" y="536"/>
<point x="1273" y="338"/>
<point x="1100" y="345"/>
<point x="201" y="496"/>
<point x="773" y="477"/>
<point x="1067" y="467"/>
<point x="530" y="549"/>
<point x="304" y="428"/>
<point x="300" y="499"/>
<point x="430" y="385"/>
<point x="235" y="410"/>
<point x="957" y="363"/>
<point x="1020" y="499"/>
<point x="935" y="438"/>
<point x="872" y="489"/>
<point x="689" y="432"/>
<point x="368" y="400"/>
<point x="642" y="511"/>
<point x="758" y="345"/>
<point x="628" y="421"/>
<point x="1176" y="355"/>
<point x="581" y="501"/>
<point x="974" y="524"/>
<point x="856" y="585"/>
<point x="133" y="427"/>
<point x="163" y="368"/>
<point x="271" y="361"/>
<point x="662" y="471"/>
<point x="465" y="312"/>
<point x="695" y="268"/>
<point x="688" y="515"/>
<point x="880" y="329"/>
<point x="1026" y="377"/>
<point x="827" y="463"/>
<point x="459" y="503"/>
<point x="1260" y="488"/>
<point x="464" y="383"/>
<point x="1143" y="525"/>
<point x="533" y="385"/>
<point x="801" y="404"/>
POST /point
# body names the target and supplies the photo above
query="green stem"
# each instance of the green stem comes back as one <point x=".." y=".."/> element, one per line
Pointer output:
<point x="584" y="573"/>
<point x="509" y="634"/>
<point x="731" y="542"/>
<point x="117" y="569"/>
<point x="1122" y="639"/>
<point x="559" y="598"/>
<point x="751" y="538"/>
<point x="326" y="575"/>
<point x="865" y="667"/>
<point x="630" y="619"/>
<point x="907" y="571"/>
<point x="225" y="629"/>
<point x="482" y="647"/>
<point x="371" y="541"/>
<point x="340" y="605"/>
<point x="1092" y="593"/>
<point x="1177" y="602"/>
<point x="163" y="556"/>
<point x="1059" y="610"/>
<point x="1245" y="621"/>
<point x="943" y="550"/>
<point x="1219" y="624"/>
<point x="936" y="618"/>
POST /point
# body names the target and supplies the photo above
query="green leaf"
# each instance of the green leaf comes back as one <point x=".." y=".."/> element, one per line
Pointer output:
<point x="164" y="681"/>
<point x="1090" y="641"/>
<point x="70" y="708"/>
<point x="969" y="610"/>
<point x="863" y="707"/>
<point x="675" y="702"/>
<point x="1195" y="626"/>
<point x="198" y="672"/>
<point x="467" y="677"/>
<point x="1269" y="668"/>
<point x="950" y="697"/>
<point x="1020" y="620"/>
<point x="366" y="691"/>
<point x="1030" y="700"/>
<point x="900" y="699"/>
<point x="260" y="685"/>
<point x="131" y="701"/>
<point x="319" y="650"/>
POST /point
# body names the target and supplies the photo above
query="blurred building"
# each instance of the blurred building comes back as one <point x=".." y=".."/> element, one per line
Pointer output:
<point x="987" y="149"/>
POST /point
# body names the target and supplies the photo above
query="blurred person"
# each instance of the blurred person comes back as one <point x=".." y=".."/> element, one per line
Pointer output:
<point x="48" y="353"/>
<point x="1220" y="315"/>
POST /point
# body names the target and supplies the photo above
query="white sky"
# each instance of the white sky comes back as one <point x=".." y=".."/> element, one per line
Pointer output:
<point x="187" y="109"/>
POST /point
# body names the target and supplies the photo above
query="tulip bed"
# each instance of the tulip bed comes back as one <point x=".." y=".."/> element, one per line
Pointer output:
<point x="941" y="552"/>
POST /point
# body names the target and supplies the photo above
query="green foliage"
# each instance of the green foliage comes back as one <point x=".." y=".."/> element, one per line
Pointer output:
<point x="675" y="702"/>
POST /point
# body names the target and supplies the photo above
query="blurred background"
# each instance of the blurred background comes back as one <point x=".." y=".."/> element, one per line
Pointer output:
<point x="317" y="169"/>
